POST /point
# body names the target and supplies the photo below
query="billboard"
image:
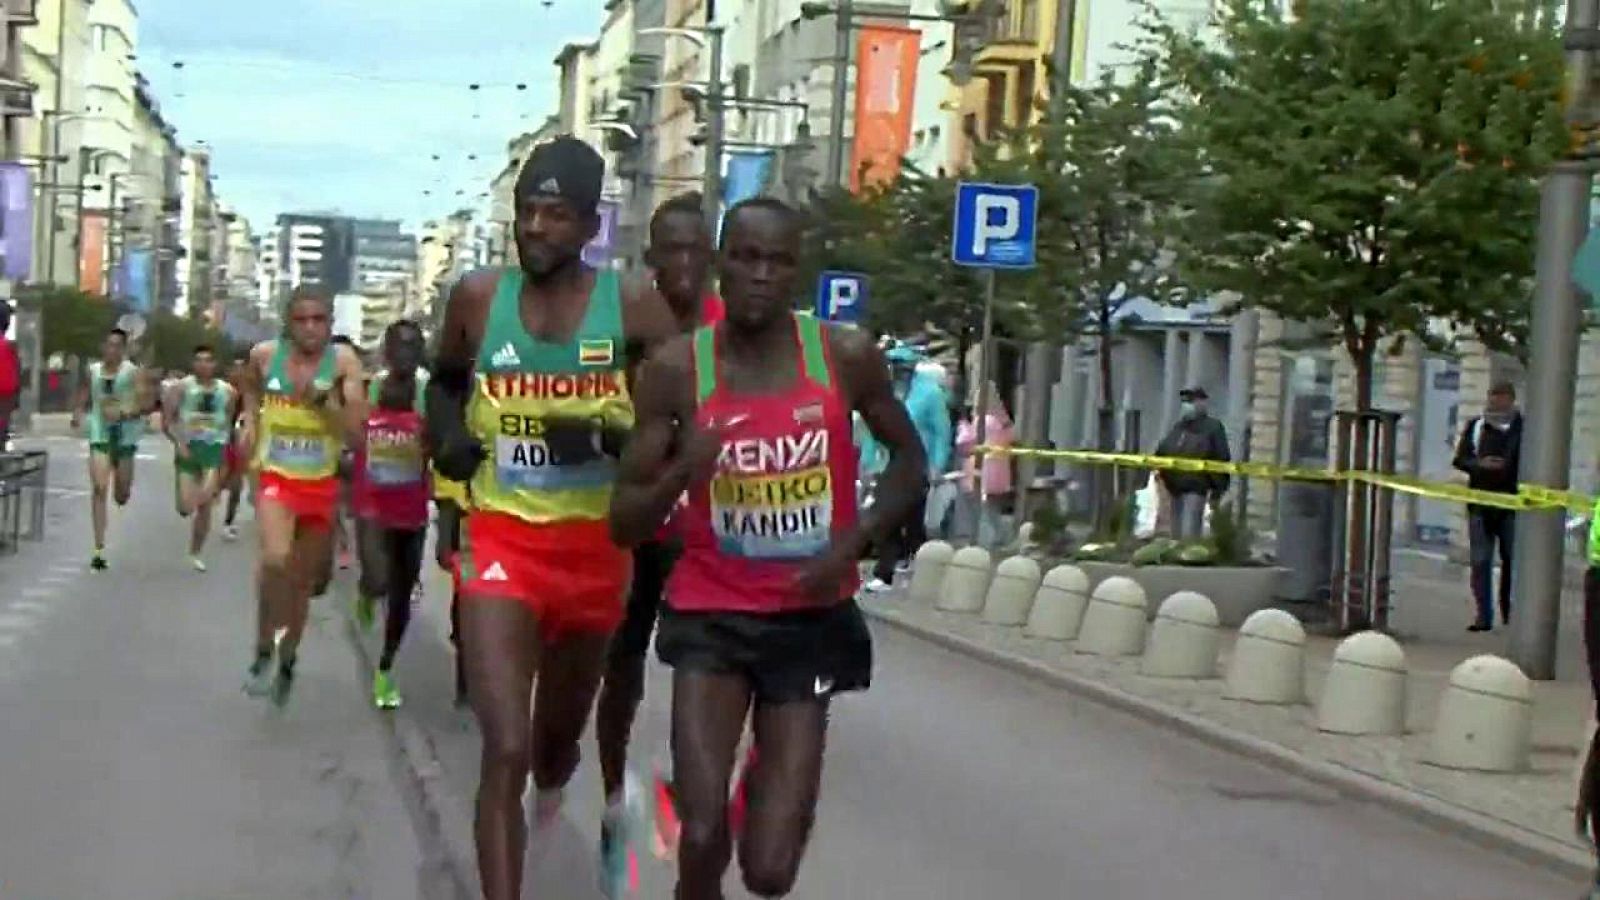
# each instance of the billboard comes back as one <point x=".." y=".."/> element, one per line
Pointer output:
<point x="886" y="85"/>
<point x="130" y="282"/>
<point x="745" y="175"/>
<point x="16" y="221"/>
<point x="92" y="253"/>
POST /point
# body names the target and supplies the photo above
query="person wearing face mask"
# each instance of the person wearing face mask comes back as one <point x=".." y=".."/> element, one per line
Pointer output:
<point x="1196" y="435"/>
<point x="1489" y="450"/>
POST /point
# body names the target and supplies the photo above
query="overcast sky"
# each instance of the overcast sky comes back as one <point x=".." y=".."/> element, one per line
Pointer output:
<point x="342" y="104"/>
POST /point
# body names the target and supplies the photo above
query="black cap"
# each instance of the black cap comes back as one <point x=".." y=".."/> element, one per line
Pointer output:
<point x="564" y="167"/>
<point x="1193" y="393"/>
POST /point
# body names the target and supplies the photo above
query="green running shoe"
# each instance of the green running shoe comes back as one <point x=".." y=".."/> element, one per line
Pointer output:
<point x="384" y="693"/>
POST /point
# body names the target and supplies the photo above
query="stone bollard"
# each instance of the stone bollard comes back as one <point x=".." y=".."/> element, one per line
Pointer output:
<point x="1485" y="720"/>
<point x="1268" y="664"/>
<point x="1058" y="607"/>
<point x="1365" y="689"/>
<point x="966" y="581"/>
<point x="927" y="570"/>
<point x="1114" y="623"/>
<point x="1011" y="592"/>
<point x="1184" y="638"/>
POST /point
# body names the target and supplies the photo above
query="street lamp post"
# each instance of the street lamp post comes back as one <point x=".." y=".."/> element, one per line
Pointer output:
<point x="709" y="39"/>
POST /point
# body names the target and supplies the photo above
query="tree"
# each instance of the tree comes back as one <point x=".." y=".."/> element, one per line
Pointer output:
<point x="1369" y="164"/>
<point x="1103" y="159"/>
<point x="72" y="322"/>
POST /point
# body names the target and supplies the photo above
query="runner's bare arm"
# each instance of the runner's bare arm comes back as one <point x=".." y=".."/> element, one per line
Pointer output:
<point x="647" y="321"/>
<point x="456" y="453"/>
<point x="352" y="398"/>
<point x="865" y="378"/>
<point x="250" y="396"/>
<point x="651" y="475"/>
<point x="170" y="400"/>
<point x="80" y="401"/>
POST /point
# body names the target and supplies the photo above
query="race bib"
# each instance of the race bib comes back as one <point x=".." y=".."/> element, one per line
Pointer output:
<point x="780" y="516"/>
<point x="394" y="463"/>
<point x="111" y="408"/>
<point x="529" y="463"/>
<point x="205" y="429"/>
<point x="298" y="451"/>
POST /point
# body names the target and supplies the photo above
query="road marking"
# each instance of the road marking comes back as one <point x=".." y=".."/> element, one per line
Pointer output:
<point x="15" y="622"/>
<point x="29" y="606"/>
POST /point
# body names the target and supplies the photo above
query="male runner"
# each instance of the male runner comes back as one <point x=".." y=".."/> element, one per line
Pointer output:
<point x="234" y="458"/>
<point x="680" y="254"/>
<point x="303" y="403"/>
<point x="530" y="374"/>
<point x="391" y="498"/>
<point x="753" y="418"/>
<point x="197" y="416"/>
<point x="112" y="403"/>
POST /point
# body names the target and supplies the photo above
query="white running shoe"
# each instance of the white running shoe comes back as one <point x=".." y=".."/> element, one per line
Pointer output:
<point x="230" y="533"/>
<point x="878" y="586"/>
<point x="198" y="563"/>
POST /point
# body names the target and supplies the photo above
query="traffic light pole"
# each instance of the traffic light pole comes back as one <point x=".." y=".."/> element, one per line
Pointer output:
<point x="1556" y="328"/>
<point x="715" y="109"/>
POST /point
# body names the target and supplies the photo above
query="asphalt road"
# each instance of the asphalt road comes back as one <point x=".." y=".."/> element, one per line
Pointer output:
<point x="132" y="767"/>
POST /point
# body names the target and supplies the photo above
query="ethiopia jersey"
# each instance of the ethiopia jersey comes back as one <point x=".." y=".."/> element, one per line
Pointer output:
<point x="203" y="411"/>
<point x="522" y="383"/>
<point x="782" y="492"/>
<point x="297" y="441"/>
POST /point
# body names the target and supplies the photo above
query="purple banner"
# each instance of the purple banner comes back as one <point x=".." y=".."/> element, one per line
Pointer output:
<point x="16" y="221"/>
<point x="597" y="253"/>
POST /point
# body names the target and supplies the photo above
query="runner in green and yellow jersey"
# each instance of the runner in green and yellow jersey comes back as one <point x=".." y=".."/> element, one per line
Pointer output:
<point x="110" y="408"/>
<point x="198" y="417"/>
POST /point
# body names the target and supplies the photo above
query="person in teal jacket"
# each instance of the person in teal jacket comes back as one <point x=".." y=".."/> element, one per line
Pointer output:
<point x="929" y="408"/>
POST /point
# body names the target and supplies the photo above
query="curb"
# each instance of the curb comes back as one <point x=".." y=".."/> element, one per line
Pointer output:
<point x="1478" y="828"/>
<point x="456" y="856"/>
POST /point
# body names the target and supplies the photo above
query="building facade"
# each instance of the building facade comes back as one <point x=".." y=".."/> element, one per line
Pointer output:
<point x="382" y="254"/>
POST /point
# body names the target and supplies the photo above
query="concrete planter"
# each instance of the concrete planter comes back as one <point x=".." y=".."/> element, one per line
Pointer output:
<point x="1237" y="592"/>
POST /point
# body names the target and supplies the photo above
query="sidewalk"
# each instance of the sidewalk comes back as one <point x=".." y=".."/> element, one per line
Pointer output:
<point x="1528" y="813"/>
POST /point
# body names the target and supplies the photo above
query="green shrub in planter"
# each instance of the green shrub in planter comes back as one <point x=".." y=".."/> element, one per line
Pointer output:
<point x="1154" y="553"/>
<point x="1194" y="554"/>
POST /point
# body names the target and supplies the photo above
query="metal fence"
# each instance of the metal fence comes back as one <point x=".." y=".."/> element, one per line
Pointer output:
<point x="24" y="477"/>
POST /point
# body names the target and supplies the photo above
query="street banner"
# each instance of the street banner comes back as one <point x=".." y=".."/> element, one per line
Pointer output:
<point x="886" y="86"/>
<point x="16" y="221"/>
<point x="131" y="280"/>
<point x="745" y="175"/>
<point x="92" y="256"/>
<point x="597" y="253"/>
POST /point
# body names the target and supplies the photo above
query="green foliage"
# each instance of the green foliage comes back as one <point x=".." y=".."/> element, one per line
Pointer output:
<point x="1371" y="165"/>
<point x="169" y="341"/>
<point x="1231" y="538"/>
<point x="73" y="322"/>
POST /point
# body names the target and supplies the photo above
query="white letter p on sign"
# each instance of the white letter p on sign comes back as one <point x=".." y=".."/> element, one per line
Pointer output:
<point x="999" y="219"/>
<point x="842" y="293"/>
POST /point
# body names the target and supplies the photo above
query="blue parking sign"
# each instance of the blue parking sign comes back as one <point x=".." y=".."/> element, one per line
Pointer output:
<point x="996" y="226"/>
<point x="841" y="296"/>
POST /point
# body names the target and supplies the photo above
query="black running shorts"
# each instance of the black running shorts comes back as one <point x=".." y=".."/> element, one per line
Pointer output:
<point x="811" y="654"/>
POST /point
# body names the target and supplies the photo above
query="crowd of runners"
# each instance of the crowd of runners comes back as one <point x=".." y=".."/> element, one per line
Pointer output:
<point x="602" y="459"/>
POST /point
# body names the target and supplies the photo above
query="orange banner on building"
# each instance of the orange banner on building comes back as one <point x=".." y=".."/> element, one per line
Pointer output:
<point x="92" y="254"/>
<point x="886" y="86"/>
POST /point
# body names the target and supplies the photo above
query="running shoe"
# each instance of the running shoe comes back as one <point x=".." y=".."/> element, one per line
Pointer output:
<point x="198" y="563"/>
<point x="619" y="864"/>
<point x="366" y="611"/>
<point x="346" y="559"/>
<point x="669" y="828"/>
<point x="97" y="562"/>
<point x="283" y="684"/>
<point x="384" y="694"/>
<point x="878" y="586"/>
<point x="258" y="678"/>
<point x="230" y="533"/>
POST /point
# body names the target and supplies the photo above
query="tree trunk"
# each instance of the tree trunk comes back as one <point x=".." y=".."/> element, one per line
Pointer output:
<point x="1362" y="358"/>
<point x="1104" y="478"/>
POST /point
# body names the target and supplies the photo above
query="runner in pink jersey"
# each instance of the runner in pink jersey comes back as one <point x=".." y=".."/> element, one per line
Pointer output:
<point x="753" y="418"/>
<point x="391" y="491"/>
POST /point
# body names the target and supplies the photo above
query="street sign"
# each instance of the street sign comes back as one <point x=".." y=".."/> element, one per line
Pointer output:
<point x="841" y="296"/>
<point x="995" y="225"/>
<point x="1586" y="267"/>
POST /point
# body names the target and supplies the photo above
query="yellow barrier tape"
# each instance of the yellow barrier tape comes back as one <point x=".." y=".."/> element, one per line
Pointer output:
<point x="1528" y="496"/>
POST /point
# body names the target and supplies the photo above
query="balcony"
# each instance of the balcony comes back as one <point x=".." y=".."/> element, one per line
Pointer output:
<point x="1019" y="24"/>
<point x="21" y="12"/>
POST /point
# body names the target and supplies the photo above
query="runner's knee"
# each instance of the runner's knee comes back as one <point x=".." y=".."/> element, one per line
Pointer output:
<point x="770" y="874"/>
<point x="508" y="752"/>
<point x="706" y="839"/>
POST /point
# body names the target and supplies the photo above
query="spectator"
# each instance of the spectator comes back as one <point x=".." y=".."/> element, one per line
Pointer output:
<point x="1489" y="450"/>
<point x="988" y="498"/>
<point x="10" y="377"/>
<point x="925" y="403"/>
<point x="1196" y="435"/>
